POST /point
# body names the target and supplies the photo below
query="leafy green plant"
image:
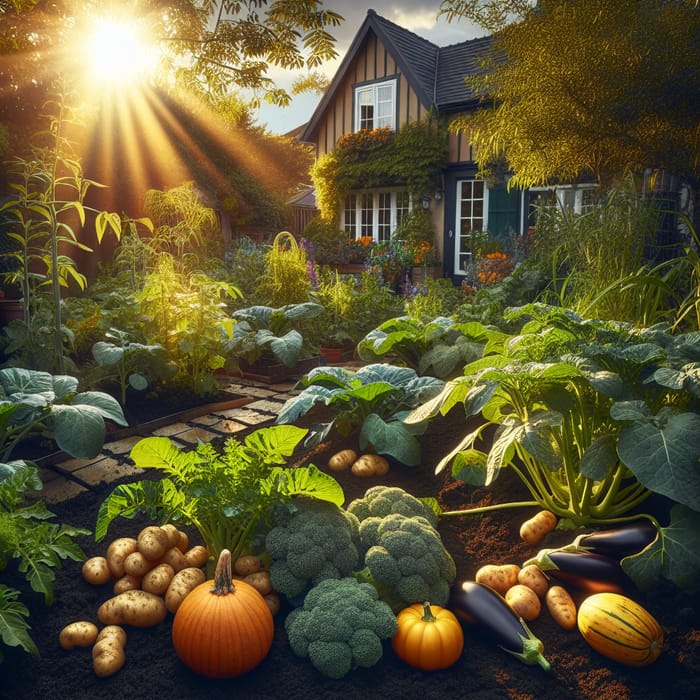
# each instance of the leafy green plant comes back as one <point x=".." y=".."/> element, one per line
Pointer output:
<point x="286" y="278"/>
<point x="264" y="331"/>
<point x="371" y="401"/>
<point x="125" y="358"/>
<point x="38" y="403"/>
<point x="439" y="347"/>
<point x="228" y="495"/>
<point x="593" y="417"/>
<point x="37" y="546"/>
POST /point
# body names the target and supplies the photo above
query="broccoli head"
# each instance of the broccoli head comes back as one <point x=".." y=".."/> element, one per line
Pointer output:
<point x="381" y="500"/>
<point x="340" y="626"/>
<point x="317" y="541"/>
<point x="406" y="560"/>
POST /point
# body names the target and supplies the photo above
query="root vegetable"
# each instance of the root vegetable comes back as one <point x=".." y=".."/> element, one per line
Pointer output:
<point x="197" y="556"/>
<point x="524" y="602"/>
<point x="112" y="632"/>
<point x="184" y="542"/>
<point x="117" y="552"/>
<point x="173" y="534"/>
<point x="533" y="531"/>
<point x="126" y="583"/>
<point x="498" y="577"/>
<point x="107" y="657"/>
<point x="153" y="542"/>
<point x="247" y="564"/>
<point x="370" y="465"/>
<point x="175" y="558"/>
<point x="273" y="602"/>
<point x="182" y="583"/>
<point x="532" y="577"/>
<point x="342" y="460"/>
<point x="136" y="608"/>
<point x="77" y="634"/>
<point x="137" y="565"/>
<point x="561" y="607"/>
<point x="260" y="581"/>
<point x="158" y="579"/>
<point x="96" y="571"/>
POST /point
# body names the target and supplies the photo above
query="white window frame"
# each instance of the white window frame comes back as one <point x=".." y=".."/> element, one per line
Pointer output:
<point x="372" y="94"/>
<point x="571" y="197"/>
<point x="370" y="213"/>
<point x="462" y="259"/>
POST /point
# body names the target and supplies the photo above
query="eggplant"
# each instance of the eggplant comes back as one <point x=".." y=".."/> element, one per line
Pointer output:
<point x="619" y="542"/>
<point x="585" y="571"/>
<point x="474" y="603"/>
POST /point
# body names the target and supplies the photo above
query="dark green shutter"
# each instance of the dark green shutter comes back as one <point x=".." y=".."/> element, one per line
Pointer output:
<point x="503" y="211"/>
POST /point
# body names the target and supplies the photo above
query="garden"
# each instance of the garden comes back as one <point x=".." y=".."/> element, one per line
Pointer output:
<point x="488" y="489"/>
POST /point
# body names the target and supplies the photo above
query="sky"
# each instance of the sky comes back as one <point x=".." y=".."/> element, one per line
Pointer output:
<point x="418" y="16"/>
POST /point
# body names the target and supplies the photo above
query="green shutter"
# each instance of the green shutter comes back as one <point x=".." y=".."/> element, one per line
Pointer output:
<point x="503" y="211"/>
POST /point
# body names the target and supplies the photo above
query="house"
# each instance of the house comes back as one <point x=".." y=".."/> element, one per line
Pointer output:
<point x="390" y="77"/>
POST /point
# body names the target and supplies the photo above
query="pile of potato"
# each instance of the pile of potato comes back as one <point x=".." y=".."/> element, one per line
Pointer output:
<point x="524" y="590"/>
<point x="364" y="466"/>
<point x="150" y="576"/>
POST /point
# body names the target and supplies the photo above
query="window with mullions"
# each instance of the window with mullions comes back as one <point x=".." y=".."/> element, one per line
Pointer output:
<point x="375" y="214"/>
<point x="472" y="219"/>
<point x="375" y="106"/>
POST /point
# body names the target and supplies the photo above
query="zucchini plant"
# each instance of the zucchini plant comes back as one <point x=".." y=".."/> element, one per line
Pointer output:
<point x="593" y="417"/>
<point x="373" y="400"/>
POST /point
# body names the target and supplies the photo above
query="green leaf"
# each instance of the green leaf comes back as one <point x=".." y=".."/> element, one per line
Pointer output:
<point x="14" y="629"/>
<point x="675" y="555"/>
<point x="161" y="453"/>
<point x="470" y="466"/>
<point x="599" y="457"/>
<point x="106" y="354"/>
<point x="307" y="481"/>
<point x="78" y="430"/>
<point x="107" y="406"/>
<point x="663" y="454"/>
<point x="390" y="438"/>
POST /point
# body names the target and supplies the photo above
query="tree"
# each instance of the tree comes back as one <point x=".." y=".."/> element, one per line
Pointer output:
<point x="602" y="88"/>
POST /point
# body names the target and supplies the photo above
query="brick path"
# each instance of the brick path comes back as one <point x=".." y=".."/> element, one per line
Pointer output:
<point x="65" y="477"/>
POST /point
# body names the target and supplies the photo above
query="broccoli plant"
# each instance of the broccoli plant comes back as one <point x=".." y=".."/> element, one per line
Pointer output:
<point x="340" y="626"/>
<point x="372" y="400"/>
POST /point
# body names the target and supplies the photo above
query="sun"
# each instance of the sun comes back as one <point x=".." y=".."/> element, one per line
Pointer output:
<point x="120" y="51"/>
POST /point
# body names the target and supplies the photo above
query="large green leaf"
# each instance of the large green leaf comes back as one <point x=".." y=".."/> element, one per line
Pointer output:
<point x="390" y="438"/>
<point x="16" y="380"/>
<point x="470" y="466"/>
<point x="307" y="481"/>
<point x="14" y="629"/>
<point x="106" y="405"/>
<point x="106" y="354"/>
<point x="78" y="430"/>
<point x="663" y="452"/>
<point x="599" y="457"/>
<point x="302" y="403"/>
<point x="675" y="555"/>
<point x="288" y="347"/>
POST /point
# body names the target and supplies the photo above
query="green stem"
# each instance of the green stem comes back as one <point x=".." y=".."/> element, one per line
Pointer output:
<point x="489" y="509"/>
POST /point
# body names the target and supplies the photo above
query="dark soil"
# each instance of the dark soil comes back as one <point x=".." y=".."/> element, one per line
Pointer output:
<point x="484" y="671"/>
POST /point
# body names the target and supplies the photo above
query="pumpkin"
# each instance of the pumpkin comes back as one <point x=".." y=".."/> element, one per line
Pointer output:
<point x="621" y="629"/>
<point x="428" y="637"/>
<point x="222" y="630"/>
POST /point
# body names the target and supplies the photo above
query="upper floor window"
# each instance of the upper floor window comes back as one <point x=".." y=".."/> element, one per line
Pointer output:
<point x="375" y="105"/>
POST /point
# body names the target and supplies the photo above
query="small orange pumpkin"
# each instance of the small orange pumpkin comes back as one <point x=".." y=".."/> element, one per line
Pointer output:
<point x="429" y="637"/>
<point x="224" y="631"/>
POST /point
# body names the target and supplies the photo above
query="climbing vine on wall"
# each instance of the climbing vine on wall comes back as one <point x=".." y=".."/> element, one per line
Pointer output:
<point x="413" y="158"/>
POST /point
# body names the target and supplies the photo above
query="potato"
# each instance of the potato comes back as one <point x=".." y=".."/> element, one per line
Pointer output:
<point x="96" y="571"/>
<point x="247" y="564"/>
<point x="532" y="577"/>
<point x="370" y="465"/>
<point x="136" y="608"/>
<point x="175" y="558"/>
<point x="153" y="542"/>
<point x="197" y="556"/>
<point x="126" y="583"/>
<point x="117" y="552"/>
<point x="533" y="531"/>
<point x="158" y="579"/>
<point x="260" y="581"/>
<point x="77" y="634"/>
<point x="184" y="542"/>
<point x="182" y="583"/>
<point x="342" y="460"/>
<point x="273" y="602"/>
<point x="107" y="657"/>
<point x="173" y="534"/>
<point x="112" y="631"/>
<point x="498" y="577"/>
<point x="524" y="602"/>
<point x="137" y="565"/>
<point x="561" y="607"/>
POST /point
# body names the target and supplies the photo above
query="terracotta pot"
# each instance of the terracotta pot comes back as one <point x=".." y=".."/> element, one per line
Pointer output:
<point x="333" y="355"/>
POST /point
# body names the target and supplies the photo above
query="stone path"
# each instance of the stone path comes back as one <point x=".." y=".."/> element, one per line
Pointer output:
<point x="65" y="478"/>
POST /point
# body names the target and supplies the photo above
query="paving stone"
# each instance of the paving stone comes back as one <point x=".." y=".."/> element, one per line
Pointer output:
<point x="172" y="429"/>
<point x="245" y="415"/>
<point x="120" y="447"/>
<point x="74" y="465"/>
<point x="106" y="471"/>
<point x="208" y="420"/>
<point x="194" y="435"/>
<point x="59" y="490"/>
<point x="264" y="405"/>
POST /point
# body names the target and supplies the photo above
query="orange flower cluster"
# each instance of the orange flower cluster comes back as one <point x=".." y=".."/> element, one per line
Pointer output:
<point x="493" y="268"/>
<point x="365" y="138"/>
<point x="425" y="254"/>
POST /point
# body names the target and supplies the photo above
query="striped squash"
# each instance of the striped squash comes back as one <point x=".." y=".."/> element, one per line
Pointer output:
<point x="621" y="629"/>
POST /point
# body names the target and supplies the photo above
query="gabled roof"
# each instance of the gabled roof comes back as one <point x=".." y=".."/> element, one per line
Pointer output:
<point x="435" y="74"/>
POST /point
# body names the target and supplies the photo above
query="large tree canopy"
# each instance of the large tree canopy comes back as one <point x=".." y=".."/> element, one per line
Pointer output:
<point x="597" y="87"/>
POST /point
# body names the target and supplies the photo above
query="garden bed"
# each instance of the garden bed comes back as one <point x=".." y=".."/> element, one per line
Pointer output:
<point x="483" y="672"/>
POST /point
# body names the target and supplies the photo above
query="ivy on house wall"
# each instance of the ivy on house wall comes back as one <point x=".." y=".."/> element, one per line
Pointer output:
<point x="412" y="157"/>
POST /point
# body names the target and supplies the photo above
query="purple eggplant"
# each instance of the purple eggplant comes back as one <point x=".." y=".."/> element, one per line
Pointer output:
<point x="619" y="542"/>
<point x="476" y="604"/>
<point x="585" y="571"/>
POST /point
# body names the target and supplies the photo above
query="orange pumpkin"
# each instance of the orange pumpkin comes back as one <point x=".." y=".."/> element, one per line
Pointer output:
<point x="225" y="630"/>
<point x="429" y="637"/>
